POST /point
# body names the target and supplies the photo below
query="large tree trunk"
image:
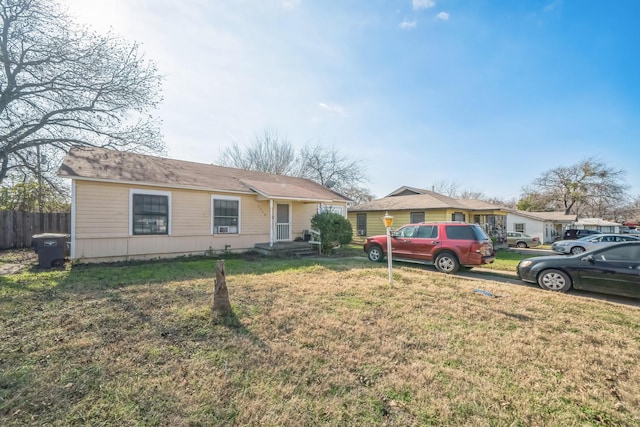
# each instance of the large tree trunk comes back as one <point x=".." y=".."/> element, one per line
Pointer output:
<point x="221" y="304"/>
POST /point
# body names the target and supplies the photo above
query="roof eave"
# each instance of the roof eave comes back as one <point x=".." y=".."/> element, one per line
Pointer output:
<point x="156" y="184"/>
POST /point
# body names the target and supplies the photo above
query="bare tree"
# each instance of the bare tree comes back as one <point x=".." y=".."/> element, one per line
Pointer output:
<point x="63" y="85"/>
<point x="471" y="195"/>
<point x="268" y="153"/>
<point x="574" y="188"/>
<point x="507" y="203"/>
<point x="327" y="166"/>
<point x="629" y="212"/>
<point x="272" y="153"/>
<point x="358" y="195"/>
<point x="446" y="187"/>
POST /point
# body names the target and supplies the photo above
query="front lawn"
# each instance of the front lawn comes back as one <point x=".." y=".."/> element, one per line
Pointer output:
<point x="507" y="260"/>
<point x="310" y="342"/>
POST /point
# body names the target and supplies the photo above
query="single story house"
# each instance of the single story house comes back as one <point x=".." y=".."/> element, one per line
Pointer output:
<point x="131" y="206"/>
<point x="546" y="226"/>
<point x="598" y="224"/>
<point x="410" y="205"/>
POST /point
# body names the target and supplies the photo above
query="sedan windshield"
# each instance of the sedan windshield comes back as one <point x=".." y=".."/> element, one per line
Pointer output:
<point x="587" y="238"/>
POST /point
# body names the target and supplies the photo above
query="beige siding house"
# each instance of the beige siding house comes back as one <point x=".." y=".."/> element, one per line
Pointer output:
<point x="410" y="205"/>
<point x="131" y="206"/>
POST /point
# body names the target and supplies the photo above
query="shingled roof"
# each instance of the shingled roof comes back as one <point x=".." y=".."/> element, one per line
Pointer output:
<point x="426" y="200"/>
<point x="546" y="216"/>
<point x="99" y="164"/>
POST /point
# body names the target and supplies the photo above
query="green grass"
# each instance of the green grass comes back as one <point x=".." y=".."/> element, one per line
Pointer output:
<point x="507" y="260"/>
<point x="310" y="342"/>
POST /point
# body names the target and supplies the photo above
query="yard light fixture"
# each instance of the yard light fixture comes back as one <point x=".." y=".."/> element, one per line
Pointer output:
<point x="388" y="222"/>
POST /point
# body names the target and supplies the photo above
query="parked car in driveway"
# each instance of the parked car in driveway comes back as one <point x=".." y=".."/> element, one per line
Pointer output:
<point x="447" y="245"/>
<point x="612" y="269"/>
<point x="522" y="240"/>
<point x="588" y="243"/>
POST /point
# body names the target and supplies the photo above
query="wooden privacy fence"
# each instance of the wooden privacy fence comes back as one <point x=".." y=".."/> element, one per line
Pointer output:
<point x="16" y="227"/>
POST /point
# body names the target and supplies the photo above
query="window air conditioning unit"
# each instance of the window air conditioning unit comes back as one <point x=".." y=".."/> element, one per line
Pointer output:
<point x="223" y="229"/>
<point x="361" y="233"/>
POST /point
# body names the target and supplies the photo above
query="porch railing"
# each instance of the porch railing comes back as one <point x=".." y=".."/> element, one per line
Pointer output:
<point x="283" y="231"/>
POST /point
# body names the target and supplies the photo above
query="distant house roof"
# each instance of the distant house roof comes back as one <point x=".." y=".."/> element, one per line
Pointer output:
<point x="407" y="191"/>
<point x="426" y="200"/>
<point x="546" y="216"/>
<point x="596" y="221"/>
<point x="98" y="164"/>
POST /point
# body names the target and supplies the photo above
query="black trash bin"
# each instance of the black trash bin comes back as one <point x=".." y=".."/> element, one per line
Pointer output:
<point x="51" y="249"/>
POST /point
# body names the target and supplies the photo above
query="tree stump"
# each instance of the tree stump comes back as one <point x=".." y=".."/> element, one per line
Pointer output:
<point x="221" y="304"/>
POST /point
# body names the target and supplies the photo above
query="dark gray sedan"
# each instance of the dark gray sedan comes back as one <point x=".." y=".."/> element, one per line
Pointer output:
<point x="613" y="269"/>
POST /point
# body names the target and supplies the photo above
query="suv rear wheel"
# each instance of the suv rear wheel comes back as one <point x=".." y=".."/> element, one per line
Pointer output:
<point x="375" y="254"/>
<point x="447" y="262"/>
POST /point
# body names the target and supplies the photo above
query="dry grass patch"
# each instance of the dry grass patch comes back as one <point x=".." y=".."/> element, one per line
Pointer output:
<point x="308" y="344"/>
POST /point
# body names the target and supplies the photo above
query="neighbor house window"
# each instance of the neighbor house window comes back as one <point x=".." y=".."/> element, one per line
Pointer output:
<point x="226" y="215"/>
<point x="361" y="224"/>
<point x="457" y="216"/>
<point x="417" y="217"/>
<point x="519" y="227"/>
<point x="150" y="212"/>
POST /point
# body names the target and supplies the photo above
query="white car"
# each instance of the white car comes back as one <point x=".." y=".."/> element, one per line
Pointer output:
<point x="588" y="243"/>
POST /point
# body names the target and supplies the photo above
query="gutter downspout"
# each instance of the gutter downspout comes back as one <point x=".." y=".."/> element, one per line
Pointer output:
<point x="72" y="252"/>
<point x="271" y="221"/>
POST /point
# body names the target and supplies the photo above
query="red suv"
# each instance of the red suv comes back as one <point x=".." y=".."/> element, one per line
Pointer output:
<point x="447" y="245"/>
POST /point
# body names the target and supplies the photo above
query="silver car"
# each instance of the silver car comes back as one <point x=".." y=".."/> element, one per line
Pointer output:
<point x="522" y="240"/>
<point x="588" y="243"/>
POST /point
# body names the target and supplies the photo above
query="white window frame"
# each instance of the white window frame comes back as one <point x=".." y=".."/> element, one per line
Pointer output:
<point x="516" y="227"/>
<point x="231" y="198"/>
<point x="133" y="191"/>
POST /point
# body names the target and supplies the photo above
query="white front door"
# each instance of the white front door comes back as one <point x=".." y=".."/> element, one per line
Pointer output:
<point x="283" y="222"/>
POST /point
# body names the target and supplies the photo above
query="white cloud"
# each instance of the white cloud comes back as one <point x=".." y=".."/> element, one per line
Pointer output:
<point x="444" y="16"/>
<point x="290" y="4"/>
<point x="423" y="4"/>
<point x="407" y="25"/>
<point x="332" y="108"/>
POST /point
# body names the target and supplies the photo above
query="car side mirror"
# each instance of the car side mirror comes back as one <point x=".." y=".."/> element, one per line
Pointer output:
<point x="589" y="258"/>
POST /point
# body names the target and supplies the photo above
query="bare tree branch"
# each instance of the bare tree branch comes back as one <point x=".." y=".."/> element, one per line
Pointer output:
<point x="326" y="165"/>
<point x="62" y="85"/>
<point x="590" y="188"/>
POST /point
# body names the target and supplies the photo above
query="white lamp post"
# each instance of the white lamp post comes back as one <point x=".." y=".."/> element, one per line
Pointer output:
<point x="388" y="222"/>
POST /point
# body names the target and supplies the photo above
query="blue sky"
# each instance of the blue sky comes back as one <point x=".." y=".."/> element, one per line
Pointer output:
<point x="487" y="94"/>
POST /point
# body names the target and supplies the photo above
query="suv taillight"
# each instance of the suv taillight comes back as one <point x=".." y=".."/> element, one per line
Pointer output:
<point x="483" y="249"/>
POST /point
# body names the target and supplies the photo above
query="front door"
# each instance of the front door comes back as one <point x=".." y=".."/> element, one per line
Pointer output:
<point x="283" y="222"/>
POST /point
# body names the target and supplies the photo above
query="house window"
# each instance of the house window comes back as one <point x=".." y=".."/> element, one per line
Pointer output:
<point x="226" y="215"/>
<point x="417" y="217"/>
<point x="361" y="224"/>
<point x="150" y="212"/>
<point x="457" y="216"/>
<point x="519" y="227"/>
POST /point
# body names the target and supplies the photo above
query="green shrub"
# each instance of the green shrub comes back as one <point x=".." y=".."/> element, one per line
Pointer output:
<point x="335" y="230"/>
